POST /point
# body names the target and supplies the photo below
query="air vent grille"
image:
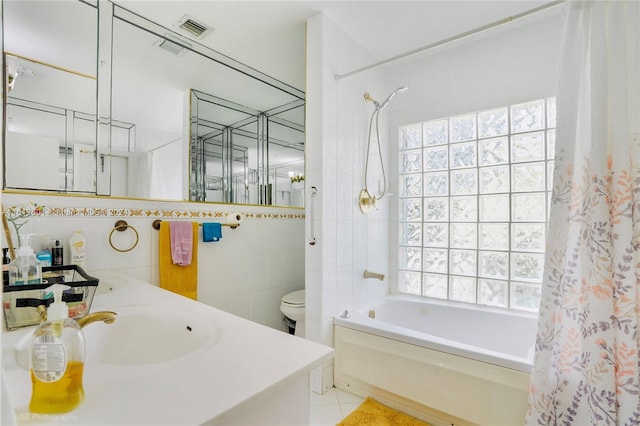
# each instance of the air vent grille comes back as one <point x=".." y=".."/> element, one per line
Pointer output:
<point x="193" y="27"/>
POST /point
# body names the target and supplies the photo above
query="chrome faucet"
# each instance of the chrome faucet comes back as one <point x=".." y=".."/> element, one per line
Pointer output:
<point x="369" y="274"/>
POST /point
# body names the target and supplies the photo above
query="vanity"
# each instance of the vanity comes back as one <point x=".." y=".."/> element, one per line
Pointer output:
<point x="168" y="360"/>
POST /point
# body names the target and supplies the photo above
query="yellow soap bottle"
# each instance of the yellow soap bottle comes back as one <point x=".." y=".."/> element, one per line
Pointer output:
<point x="57" y="360"/>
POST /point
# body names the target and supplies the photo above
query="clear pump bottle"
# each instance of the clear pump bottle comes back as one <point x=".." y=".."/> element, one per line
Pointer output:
<point x="25" y="268"/>
<point x="57" y="360"/>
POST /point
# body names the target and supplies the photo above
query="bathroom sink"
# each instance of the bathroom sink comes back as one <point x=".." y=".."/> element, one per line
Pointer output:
<point x="148" y="335"/>
<point x="142" y="335"/>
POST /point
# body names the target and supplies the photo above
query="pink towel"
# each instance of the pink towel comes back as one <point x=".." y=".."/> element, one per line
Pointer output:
<point x="181" y="234"/>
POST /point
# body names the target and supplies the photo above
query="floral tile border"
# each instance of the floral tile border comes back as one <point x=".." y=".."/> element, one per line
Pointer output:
<point x="28" y="210"/>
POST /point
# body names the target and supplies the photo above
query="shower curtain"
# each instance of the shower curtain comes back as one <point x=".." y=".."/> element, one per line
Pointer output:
<point x="586" y="366"/>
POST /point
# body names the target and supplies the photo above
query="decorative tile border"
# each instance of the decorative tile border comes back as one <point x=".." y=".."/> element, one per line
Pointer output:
<point x="31" y="210"/>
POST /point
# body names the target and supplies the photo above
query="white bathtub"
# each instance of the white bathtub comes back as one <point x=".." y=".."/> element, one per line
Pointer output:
<point x="447" y="364"/>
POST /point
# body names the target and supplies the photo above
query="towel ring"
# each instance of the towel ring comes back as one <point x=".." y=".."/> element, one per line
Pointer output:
<point x="121" y="226"/>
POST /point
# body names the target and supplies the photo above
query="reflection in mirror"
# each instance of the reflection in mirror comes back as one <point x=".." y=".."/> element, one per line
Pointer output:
<point x="41" y="128"/>
<point x="147" y="90"/>
<point x="50" y="129"/>
<point x="158" y="68"/>
<point x="286" y="154"/>
<point x="150" y="72"/>
<point x="242" y="155"/>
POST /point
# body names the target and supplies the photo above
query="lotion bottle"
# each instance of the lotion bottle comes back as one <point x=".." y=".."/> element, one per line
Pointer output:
<point x="57" y="360"/>
<point x="78" y="245"/>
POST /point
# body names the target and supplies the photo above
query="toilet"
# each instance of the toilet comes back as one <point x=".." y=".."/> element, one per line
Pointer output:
<point x="292" y="307"/>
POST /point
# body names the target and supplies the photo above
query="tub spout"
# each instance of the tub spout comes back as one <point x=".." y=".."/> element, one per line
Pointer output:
<point x="369" y="274"/>
<point x="107" y="317"/>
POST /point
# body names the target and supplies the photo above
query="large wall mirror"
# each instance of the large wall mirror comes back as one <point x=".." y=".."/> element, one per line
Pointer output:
<point x="178" y="122"/>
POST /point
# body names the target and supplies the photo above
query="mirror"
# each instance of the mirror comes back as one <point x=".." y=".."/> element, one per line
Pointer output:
<point x="50" y="133"/>
<point x="153" y="74"/>
<point x="242" y="155"/>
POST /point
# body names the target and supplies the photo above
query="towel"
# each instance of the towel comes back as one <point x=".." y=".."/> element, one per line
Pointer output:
<point x="211" y="231"/>
<point x="178" y="279"/>
<point x="181" y="234"/>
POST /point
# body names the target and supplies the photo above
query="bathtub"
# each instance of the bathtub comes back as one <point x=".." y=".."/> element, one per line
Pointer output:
<point x="446" y="364"/>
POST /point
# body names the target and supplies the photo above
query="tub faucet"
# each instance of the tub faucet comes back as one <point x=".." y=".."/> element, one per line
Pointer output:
<point x="369" y="274"/>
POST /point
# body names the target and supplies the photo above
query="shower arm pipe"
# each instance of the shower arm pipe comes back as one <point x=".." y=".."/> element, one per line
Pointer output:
<point x="452" y="39"/>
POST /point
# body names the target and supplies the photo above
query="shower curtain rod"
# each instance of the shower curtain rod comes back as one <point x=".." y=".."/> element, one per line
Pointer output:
<point x="452" y="39"/>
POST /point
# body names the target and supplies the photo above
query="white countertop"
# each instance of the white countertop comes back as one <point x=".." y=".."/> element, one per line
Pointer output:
<point x="247" y="361"/>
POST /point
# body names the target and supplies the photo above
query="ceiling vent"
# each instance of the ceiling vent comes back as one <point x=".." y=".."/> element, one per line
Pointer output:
<point x="193" y="27"/>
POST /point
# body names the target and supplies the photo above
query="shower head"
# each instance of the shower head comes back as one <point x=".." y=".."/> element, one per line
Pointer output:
<point x="395" y="92"/>
<point x="382" y="105"/>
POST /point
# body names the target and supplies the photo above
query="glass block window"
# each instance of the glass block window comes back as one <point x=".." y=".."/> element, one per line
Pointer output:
<point x="474" y="195"/>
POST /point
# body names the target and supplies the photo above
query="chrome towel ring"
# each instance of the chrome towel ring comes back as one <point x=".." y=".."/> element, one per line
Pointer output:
<point x="121" y="226"/>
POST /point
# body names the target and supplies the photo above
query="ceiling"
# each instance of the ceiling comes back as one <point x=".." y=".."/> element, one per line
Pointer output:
<point x="270" y="35"/>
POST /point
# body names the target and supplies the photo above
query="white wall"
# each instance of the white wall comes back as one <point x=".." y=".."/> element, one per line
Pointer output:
<point x="504" y="66"/>
<point x="246" y="273"/>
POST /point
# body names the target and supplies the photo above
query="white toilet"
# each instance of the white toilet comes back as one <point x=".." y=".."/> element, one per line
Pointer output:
<point x="292" y="307"/>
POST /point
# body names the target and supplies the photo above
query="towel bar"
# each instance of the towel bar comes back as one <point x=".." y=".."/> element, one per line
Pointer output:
<point x="156" y="224"/>
<point x="121" y="226"/>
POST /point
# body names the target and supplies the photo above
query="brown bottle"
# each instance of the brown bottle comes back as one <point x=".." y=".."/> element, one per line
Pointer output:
<point x="57" y="254"/>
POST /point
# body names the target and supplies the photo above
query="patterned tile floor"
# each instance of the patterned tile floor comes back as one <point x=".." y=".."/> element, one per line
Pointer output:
<point x="332" y="407"/>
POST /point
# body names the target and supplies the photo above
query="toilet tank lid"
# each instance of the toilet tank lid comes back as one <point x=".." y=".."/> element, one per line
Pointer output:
<point x="294" y="298"/>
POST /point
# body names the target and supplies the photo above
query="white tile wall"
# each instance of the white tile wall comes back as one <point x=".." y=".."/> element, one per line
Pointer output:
<point x="337" y="124"/>
<point x="246" y="273"/>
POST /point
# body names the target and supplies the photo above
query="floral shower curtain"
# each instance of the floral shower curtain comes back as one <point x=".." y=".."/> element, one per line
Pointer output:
<point x="586" y="366"/>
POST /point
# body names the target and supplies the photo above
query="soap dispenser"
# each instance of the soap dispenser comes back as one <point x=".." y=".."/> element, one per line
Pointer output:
<point x="57" y="360"/>
<point x="25" y="268"/>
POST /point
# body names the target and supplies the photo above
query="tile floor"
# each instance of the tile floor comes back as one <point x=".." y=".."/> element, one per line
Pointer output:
<point x="332" y="407"/>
